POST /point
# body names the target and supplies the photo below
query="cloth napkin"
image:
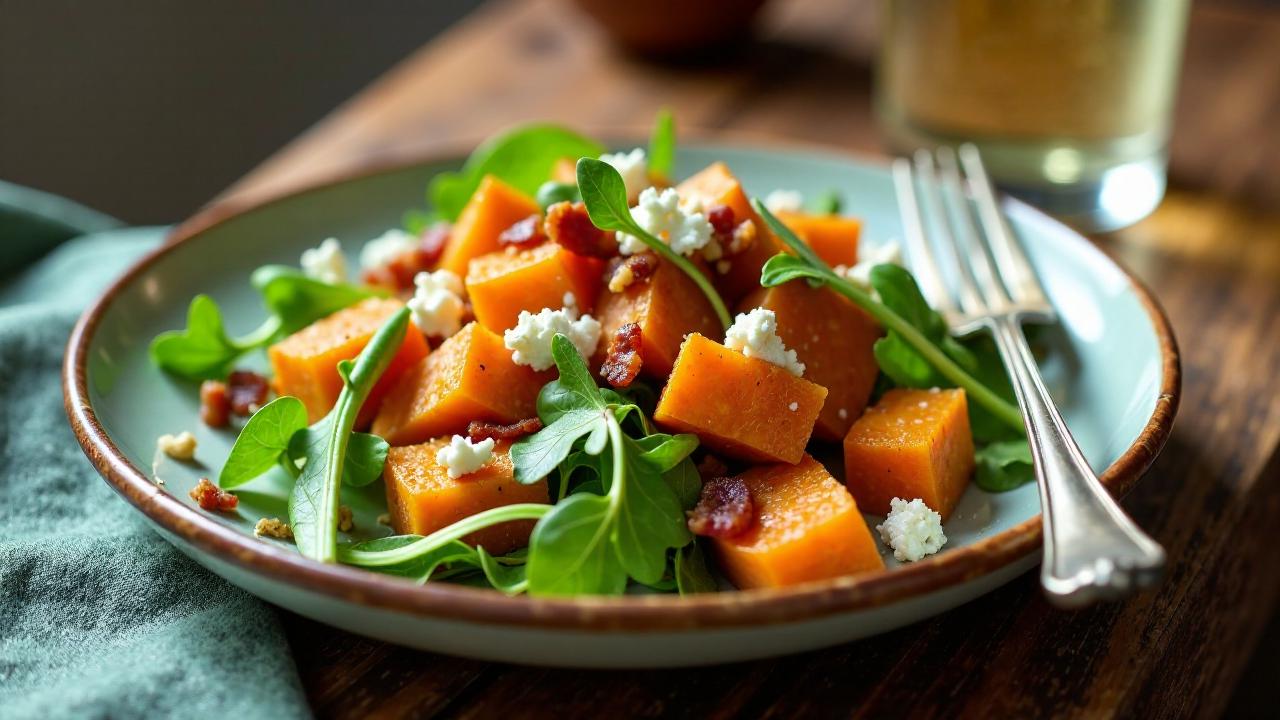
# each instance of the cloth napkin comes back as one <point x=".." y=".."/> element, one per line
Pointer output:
<point x="100" y="617"/>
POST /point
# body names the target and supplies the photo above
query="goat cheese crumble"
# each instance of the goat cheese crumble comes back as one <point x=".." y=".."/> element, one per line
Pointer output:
<point x="683" y="226"/>
<point x="755" y="334"/>
<point x="633" y="167"/>
<point x="325" y="263"/>
<point x="530" y="340"/>
<point x="463" y="457"/>
<point x="380" y="251"/>
<point x="889" y="253"/>
<point x="912" y="529"/>
<point x="784" y="201"/>
<point x="436" y="304"/>
<point x="179" y="447"/>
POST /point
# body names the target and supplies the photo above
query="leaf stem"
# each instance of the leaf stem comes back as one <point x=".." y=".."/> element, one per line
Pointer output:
<point x="689" y="269"/>
<point x="259" y="337"/>
<point x="443" y="536"/>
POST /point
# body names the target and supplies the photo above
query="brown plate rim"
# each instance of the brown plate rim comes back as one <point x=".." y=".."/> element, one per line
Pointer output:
<point x="628" y="613"/>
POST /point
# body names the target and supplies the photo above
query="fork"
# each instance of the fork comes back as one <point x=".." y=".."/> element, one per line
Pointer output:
<point x="1092" y="550"/>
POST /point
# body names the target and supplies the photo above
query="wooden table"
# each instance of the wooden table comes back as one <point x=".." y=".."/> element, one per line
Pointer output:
<point x="1211" y="252"/>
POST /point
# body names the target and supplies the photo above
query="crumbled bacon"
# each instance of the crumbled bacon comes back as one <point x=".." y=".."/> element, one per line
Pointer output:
<point x="526" y="232"/>
<point x="724" y="510"/>
<point x="213" y="498"/>
<point x="622" y="362"/>
<point x="479" y="430"/>
<point x="721" y="219"/>
<point x="623" y="271"/>
<point x="215" y="403"/>
<point x="569" y="225"/>
<point x="399" y="273"/>
<point x="248" y="391"/>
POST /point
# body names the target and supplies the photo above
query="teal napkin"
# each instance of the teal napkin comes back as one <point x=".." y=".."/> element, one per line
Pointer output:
<point x="100" y="617"/>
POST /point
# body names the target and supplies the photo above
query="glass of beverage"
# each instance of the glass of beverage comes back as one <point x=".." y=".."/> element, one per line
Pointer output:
<point x="1069" y="101"/>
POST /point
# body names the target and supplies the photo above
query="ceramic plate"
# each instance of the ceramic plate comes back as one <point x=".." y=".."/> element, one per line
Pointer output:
<point x="1112" y="365"/>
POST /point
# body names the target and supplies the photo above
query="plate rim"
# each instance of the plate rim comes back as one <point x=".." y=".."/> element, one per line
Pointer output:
<point x="591" y="613"/>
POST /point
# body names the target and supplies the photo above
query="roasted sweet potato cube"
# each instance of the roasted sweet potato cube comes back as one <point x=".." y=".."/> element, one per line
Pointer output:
<point x="494" y="207"/>
<point x="305" y="364"/>
<point x="501" y="284"/>
<point x="667" y="307"/>
<point x="912" y="444"/>
<point x="471" y="376"/>
<point x="715" y="185"/>
<point x="422" y="498"/>
<point x="833" y="237"/>
<point x="833" y="338"/>
<point x="807" y="527"/>
<point x="743" y="407"/>
<point x="565" y="170"/>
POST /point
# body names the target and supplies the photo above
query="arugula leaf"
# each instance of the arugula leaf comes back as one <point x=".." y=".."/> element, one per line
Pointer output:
<point x="204" y="350"/>
<point x="662" y="145"/>
<point x="521" y="157"/>
<point x="571" y="408"/>
<point x="366" y="454"/>
<point x="313" y="504"/>
<point x="605" y="196"/>
<point x="692" y="575"/>
<point x="552" y="192"/>
<point x="509" y="579"/>
<point x="421" y="567"/>
<point x="298" y="300"/>
<point x="664" y="451"/>
<point x="650" y="518"/>
<point x="1004" y="465"/>
<point x="263" y="440"/>
<point x="685" y="481"/>
<point x="415" y="222"/>
<point x="828" y="203"/>
<point x="570" y="551"/>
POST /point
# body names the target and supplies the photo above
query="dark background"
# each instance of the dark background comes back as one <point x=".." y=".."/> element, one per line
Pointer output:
<point x="146" y="109"/>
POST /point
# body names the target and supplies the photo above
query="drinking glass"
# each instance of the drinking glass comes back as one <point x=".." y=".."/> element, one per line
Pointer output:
<point x="1069" y="101"/>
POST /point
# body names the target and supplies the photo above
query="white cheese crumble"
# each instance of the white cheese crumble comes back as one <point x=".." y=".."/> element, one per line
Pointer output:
<point x="463" y="457"/>
<point x="530" y="340"/>
<point x="179" y="447"/>
<point x="755" y="334"/>
<point x="634" y="169"/>
<point x="912" y="530"/>
<point x="682" y="226"/>
<point x="794" y="406"/>
<point x="784" y="201"/>
<point x="889" y="253"/>
<point x="380" y="251"/>
<point x="437" y="303"/>
<point x="325" y="263"/>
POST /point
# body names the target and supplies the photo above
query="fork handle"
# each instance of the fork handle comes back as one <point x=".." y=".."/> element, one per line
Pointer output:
<point x="1092" y="550"/>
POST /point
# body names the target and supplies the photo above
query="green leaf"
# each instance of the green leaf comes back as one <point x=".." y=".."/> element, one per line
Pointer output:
<point x="298" y="300"/>
<point x="784" y="268"/>
<point x="570" y="552"/>
<point x="662" y="145"/>
<point x="692" y="575"/>
<point x="521" y="157"/>
<point x="788" y="237"/>
<point x="416" y="222"/>
<point x="1003" y="466"/>
<point x="664" y="451"/>
<point x="262" y="440"/>
<point x="508" y="579"/>
<point x="827" y="203"/>
<point x="650" y="520"/>
<point x="552" y="192"/>
<point x="313" y="504"/>
<point x="685" y="481"/>
<point x="200" y="352"/>
<point x="366" y="454"/>
<point x="420" y="567"/>
<point x="571" y="408"/>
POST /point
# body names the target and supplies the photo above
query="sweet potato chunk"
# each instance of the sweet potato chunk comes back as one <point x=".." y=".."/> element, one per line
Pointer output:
<point x="807" y="527"/>
<point x="422" y="498"/>
<point x="494" y="207"/>
<point x="833" y="338"/>
<point x="832" y="237"/>
<point x="469" y="377"/>
<point x="744" y="407"/>
<point x="912" y="444"/>
<point x="565" y="170"/>
<point x="305" y="364"/>
<point x="667" y="306"/>
<point x="715" y="185"/>
<point x="501" y="284"/>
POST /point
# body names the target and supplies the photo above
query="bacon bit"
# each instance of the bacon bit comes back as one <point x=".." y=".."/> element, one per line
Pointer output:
<point x="248" y="391"/>
<point x="721" y="219"/>
<point x="623" y="271"/>
<point x="398" y="274"/>
<point x="712" y="467"/>
<point x="724" y="510"/>
<point x="526" y="232"/>
<point x="622" y="362"/>
<point x="479" y="430"/>
<point x="569" y="225"/>
<point x="211" y="497"/>
<point x="215" y="404"/>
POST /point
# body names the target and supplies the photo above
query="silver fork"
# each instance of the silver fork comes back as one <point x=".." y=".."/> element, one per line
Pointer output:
<point x="1092" y="550"/>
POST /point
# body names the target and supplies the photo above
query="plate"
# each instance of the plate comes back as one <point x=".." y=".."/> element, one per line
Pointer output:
<point x="1112" y="365"/>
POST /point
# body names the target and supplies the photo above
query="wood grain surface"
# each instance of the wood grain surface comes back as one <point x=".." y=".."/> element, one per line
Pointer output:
<point x="1211" y="252"/>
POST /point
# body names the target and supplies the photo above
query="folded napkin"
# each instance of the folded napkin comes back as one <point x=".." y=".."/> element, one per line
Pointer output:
<point x="100" y="617"/>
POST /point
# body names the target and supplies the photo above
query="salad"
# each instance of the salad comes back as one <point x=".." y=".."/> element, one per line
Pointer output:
<point x="578" y="373"/>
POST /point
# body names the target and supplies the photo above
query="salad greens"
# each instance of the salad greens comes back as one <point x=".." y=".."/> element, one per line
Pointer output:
<point x="605" y="196"/>
<point x="662" y="145"/>
<point x="827" y="203"/>
<point x="205" y="351"/>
